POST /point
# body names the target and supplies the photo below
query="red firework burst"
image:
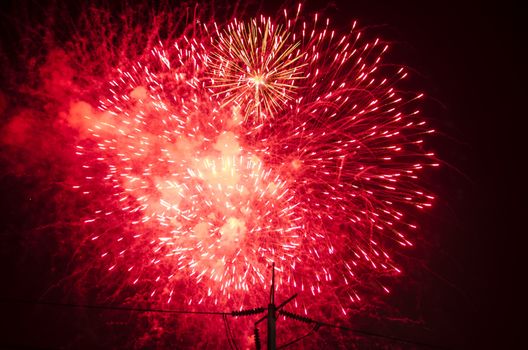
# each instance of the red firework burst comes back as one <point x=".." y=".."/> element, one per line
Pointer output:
<point x="252" y="142"/>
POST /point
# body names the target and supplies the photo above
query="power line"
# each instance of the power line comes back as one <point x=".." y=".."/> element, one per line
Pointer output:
<point x="382" y="336"/>
<point x="229" y="335"/>
<point x="108" y="307"/>
<point x="318" y="324"/>
<point x="310" y="332"/>
<point x="248" y="312"/>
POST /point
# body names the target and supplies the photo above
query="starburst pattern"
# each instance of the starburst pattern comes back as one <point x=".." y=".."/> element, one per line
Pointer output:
<point x="255" y="65"/>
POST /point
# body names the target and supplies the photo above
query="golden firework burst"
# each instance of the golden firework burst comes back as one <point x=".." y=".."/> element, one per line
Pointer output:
<point x="255" y="65"/>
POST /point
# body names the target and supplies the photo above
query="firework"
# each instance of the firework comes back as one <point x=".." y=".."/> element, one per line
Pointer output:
<point x="184" y="155"/>
<point x="206" y="151"/>
<point x="251" y="143"/>
<point x="255" y="65"/>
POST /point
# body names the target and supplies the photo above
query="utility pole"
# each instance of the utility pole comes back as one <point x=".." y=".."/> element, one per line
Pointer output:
<point x="272" y="317"/>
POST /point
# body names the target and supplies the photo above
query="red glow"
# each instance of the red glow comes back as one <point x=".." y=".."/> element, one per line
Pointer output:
<point x="227" y="146"/>
<point x="313" y="167"/>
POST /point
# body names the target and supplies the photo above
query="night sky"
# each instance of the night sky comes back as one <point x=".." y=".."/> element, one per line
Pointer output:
<point x="465" y="56"/>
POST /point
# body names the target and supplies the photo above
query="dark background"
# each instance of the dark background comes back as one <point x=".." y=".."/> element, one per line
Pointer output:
<point x="466" y="56"/>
